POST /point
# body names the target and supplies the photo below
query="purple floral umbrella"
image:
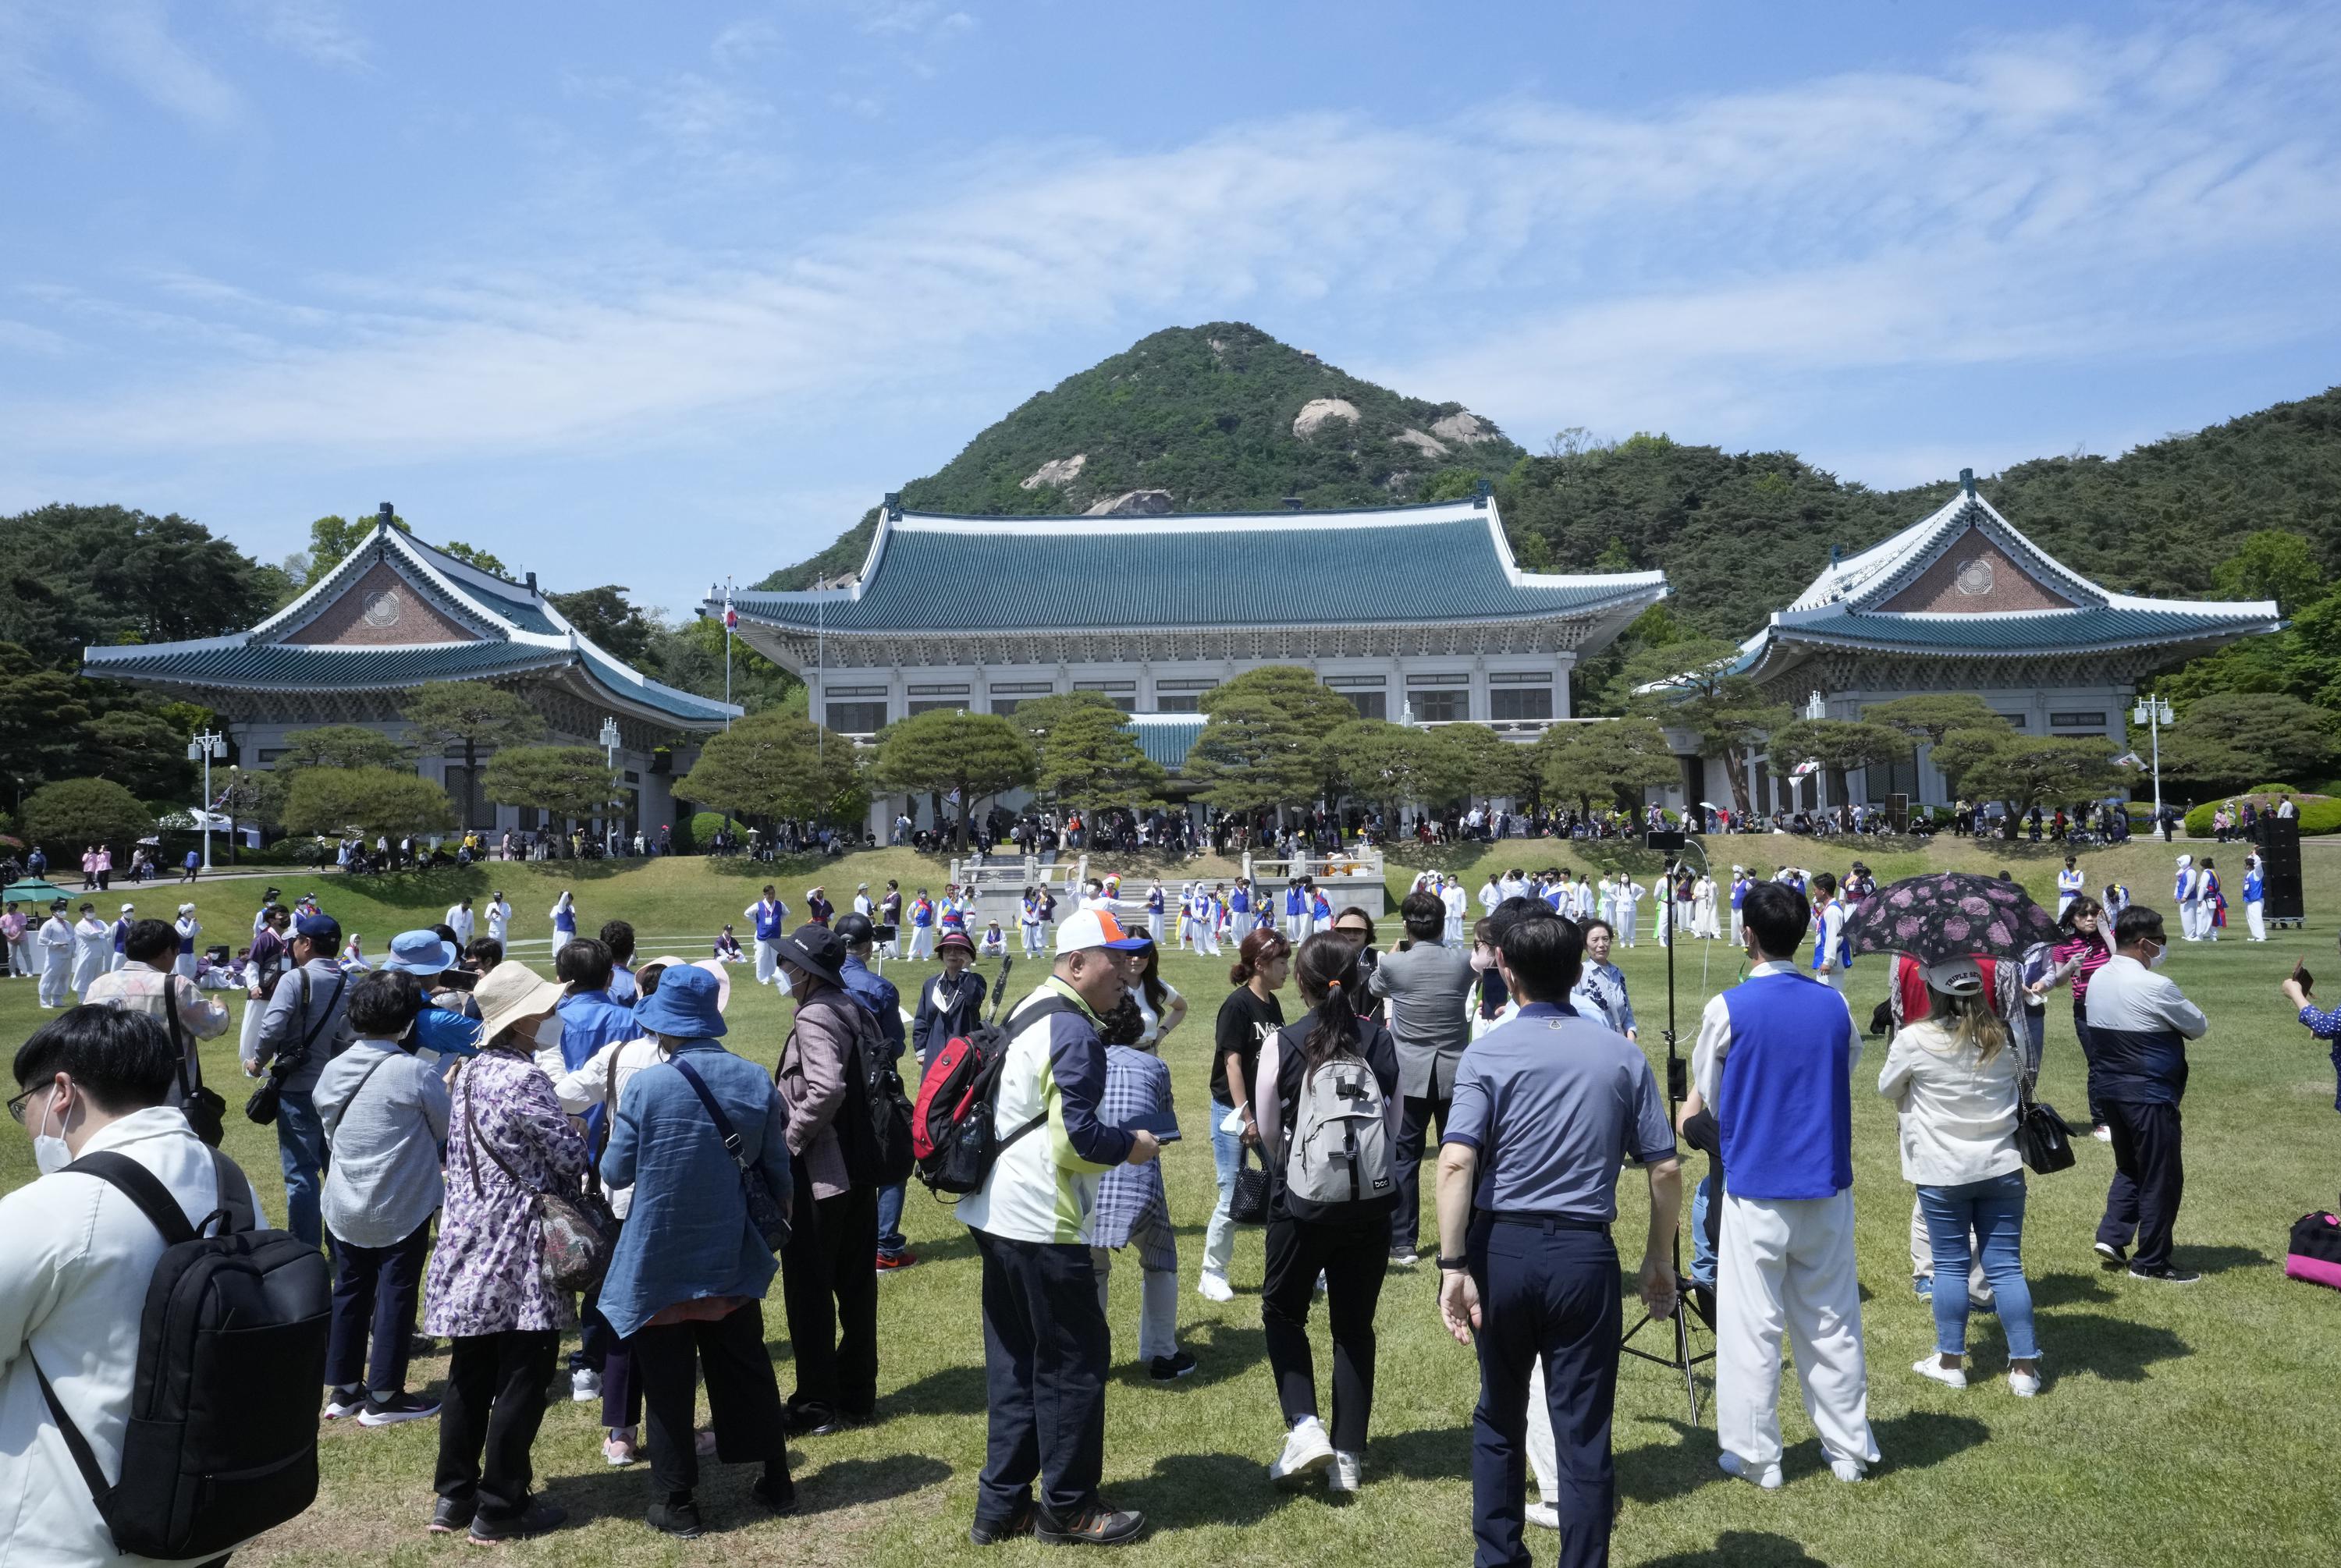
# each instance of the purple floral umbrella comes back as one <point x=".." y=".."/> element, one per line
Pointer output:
<point x="1948" y="915"/>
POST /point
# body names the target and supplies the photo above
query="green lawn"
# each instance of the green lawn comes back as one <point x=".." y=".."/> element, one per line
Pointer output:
<point x="2180" y="1427"/>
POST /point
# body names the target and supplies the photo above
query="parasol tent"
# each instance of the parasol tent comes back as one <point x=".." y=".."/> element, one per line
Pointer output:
<point x="32" y="889"/>
<point x="1948" y="915"/>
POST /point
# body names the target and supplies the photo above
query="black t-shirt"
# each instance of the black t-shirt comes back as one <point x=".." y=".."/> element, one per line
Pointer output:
<point x="1380" y="1052"/>
<point x="1244" y="1023"/>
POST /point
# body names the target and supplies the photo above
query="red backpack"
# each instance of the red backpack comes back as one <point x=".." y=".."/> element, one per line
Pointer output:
<point x="954" y="1135"/>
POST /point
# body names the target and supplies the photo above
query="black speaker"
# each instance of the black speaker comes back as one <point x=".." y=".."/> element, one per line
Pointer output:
<point x="2279" y="844"/>
<point x="1670" y="841"/>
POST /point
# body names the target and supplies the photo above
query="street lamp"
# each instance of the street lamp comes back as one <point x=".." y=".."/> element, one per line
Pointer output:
<point x="2154" y="713"/>
<point x="1814" y="708"/>
<point x="205" y="746"/>
<point x="610" y="760"/>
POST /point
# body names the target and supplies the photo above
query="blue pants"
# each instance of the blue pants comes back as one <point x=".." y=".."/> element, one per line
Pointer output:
<point x="1702" y="1242"/>
<point x="890" y="1221"/>
<point x="301" y="1152"/>
<point x="1548" y="1290"/>
<point x="1046" y="1348"/>
<point x="2149" y="1180"/>
<point x="1226" y="1157"/>
<point x="376" y="1292"/>
<point x="1994" y="1207"/>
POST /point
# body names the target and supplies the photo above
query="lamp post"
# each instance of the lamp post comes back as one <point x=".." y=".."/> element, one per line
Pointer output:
<point x="205" y="746"/>
<point x="1816" y="709"/>
<point x="2154" y="713"/>
<point x="610" y="760"/>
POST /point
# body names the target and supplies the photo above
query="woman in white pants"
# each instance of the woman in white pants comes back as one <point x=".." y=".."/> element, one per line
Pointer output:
<point x="2254" y="895"/>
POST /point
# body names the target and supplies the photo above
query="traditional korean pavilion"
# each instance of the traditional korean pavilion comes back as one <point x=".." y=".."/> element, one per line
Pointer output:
<point x="397" y="614"/>
<point x="1959" y="601"/>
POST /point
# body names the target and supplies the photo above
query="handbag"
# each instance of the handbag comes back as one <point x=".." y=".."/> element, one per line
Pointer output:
<point x="576" y="1232"/>
<point x="1247" y="1200"/>
<point x="2042" y="1140"/>
<point x="205" y="1111"/>
<point x="764" y="1210"/>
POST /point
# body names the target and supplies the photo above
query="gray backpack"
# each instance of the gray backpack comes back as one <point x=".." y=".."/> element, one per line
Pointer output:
<point x="1337" y="1156"/>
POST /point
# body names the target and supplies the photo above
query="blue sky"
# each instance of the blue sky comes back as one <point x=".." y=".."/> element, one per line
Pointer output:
<point x="647" y="293"/>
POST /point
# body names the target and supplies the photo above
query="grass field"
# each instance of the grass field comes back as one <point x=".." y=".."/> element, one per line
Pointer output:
<point x="2177" y="1428"/>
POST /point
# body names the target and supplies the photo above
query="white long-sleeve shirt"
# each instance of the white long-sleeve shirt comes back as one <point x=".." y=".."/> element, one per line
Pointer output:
<point x="57" y="936"/>
<point x="499" y="914"/>
<point x="73" y="1294"/>
<point x="1715" y="1035"/>
<point x="459" y="920"/>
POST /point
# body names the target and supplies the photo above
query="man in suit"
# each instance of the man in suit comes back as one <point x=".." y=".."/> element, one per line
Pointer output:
<point x="1427" y="983"/>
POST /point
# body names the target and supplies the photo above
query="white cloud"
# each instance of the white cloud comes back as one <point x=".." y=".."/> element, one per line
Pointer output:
<point x="745" y="42"/>
<point x="317" y="30"/>
<point x="2047" y="199"/>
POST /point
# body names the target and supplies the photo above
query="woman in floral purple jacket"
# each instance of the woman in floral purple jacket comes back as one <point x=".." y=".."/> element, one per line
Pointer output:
<point x="508" y="1141"/>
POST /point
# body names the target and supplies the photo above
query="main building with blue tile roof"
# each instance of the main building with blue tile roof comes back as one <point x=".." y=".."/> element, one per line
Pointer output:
<point x="1417" y="610"/>
<point x="396" y="614"/>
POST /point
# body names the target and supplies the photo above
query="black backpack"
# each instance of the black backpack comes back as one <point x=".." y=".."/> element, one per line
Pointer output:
<point x="222" y="1441"/>
<point x="873" y="1126"/>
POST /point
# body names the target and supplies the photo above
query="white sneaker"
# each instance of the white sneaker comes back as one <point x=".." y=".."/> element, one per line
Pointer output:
<point x="1214" y="1287"/>
<point x="1307" y="1449"/>
<point x="336" y="1408"/>
<point x="585" y="1384"/>
<point x="1948" y="1376"/>
<point x="1848" y="1470"/>
<point x="2103" y="1135"/>
<point x="1543" y="1515"/>
<point x="1730" y="1463"/>
<point x="1345" y="1476"/>
<point x="2023" y="1385"/>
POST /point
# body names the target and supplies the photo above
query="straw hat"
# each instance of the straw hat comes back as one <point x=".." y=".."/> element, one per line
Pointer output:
<point x="511" y="992"/>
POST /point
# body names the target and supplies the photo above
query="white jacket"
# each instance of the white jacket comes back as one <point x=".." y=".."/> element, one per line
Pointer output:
<point x="580" y="1090"/>
<point x="72" y="1289"/>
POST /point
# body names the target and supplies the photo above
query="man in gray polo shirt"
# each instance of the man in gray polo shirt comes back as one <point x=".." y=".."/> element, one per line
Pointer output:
<point x="1546" y="1109"/>
<point x="1427" y="985"/>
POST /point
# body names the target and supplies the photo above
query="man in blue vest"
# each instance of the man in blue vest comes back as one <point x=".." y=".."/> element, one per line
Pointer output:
<point x="1775" y="1061"/>
<point x="772" y="919"/>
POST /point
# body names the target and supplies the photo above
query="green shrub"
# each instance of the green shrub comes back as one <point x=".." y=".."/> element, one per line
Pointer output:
<point x="2318" y="814"/>
<point x="703" y="828"/>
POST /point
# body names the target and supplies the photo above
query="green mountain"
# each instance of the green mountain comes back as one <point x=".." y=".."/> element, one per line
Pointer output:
<point x="1218" y="418"/>
<point x="1224" y="418"/>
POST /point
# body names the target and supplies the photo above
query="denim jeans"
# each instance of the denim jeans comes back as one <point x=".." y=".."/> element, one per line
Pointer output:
<point x="301" y="1152"/>
<point x="1702" y="1249"/>
<point x="1995" y="1208"/>
<point x="890" y="1221"/>
<point x="1227" y="1155"/>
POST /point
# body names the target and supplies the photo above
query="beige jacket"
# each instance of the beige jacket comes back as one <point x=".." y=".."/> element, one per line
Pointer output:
<point x="812" y="1080"/>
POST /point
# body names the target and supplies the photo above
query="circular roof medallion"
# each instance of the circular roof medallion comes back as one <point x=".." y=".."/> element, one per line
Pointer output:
<point x="382" y="609"/>
<point x="1974" y="578"/>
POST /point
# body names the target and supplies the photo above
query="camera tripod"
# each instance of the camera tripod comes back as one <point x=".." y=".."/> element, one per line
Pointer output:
<point x="1679" y="1355"/>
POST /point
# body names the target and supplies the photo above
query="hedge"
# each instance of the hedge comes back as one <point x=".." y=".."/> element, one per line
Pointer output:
<point x="2318" y="815"/>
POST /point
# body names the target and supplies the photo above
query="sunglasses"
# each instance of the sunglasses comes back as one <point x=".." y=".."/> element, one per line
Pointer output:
<point x="17" y="1106"/>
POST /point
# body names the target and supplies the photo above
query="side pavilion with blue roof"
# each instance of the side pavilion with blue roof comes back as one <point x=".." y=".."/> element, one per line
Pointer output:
<point x="1399" y="606"/>
<point x="396" y="615"/>
<point x="1961" y="602"/>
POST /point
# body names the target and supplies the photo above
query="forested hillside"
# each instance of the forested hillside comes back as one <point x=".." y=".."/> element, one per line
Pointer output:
<point x="1222" y="418"/>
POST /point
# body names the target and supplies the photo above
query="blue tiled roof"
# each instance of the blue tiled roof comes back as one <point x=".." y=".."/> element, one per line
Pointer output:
<point x="1166" y="737"/>
<point x="1064" y="574"/>
<point x="295" y="667"/>
<point x="2113" y="626"/>
<point x="683" y="704"/>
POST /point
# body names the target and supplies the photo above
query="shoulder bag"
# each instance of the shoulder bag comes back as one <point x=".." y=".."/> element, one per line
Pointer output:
<point x="576" y="1232"/>
<point x="2043" y="1140"/>
<point x="764" y="1210"/>
<point x="206" y="1112"/>
<point x="262" y="1105"/>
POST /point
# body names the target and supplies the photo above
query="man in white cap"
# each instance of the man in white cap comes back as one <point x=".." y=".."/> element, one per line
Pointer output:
<point x="56" y="940"/>
<point x="121" y="929"/>
<point x="2188" y="892"/>
<point x="92" y="950"/>
<point x="1045" y="1339"/>
<point x="188" y="928"/>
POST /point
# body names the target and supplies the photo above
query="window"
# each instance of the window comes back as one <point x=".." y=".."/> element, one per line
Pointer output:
<point x="1180" y="703"/>
<point x="1358" y="682"/>
<point x="1521" y="702"/>
<point x="1004" y="705"/>
<point x="1440" y="707"/>
<point x="937" y="690"/>
<point x="1369" y="704"/>
<point x="1453" y="679"/>
<point x="2077" y="720"/>
<point x="857" y="718"/>
<point x="2015" y="720"/>
<point x="1022" y="688"/>
<point x="1122" y="693"/>
<point x="1520" y="677"/>
<point x="928" y="705"/>
<point x="1195" y="685"/>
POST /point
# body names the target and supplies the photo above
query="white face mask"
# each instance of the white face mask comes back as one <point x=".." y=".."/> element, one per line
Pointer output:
<point x="547" y="1032"/>
<point x="2161" y="952"/>
<point x="50" y="1153"/>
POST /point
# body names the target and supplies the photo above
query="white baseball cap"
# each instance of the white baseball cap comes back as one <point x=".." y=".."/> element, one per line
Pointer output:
<point x="1095" y="929"/>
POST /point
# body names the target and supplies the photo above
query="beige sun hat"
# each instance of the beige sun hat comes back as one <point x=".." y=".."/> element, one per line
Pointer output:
<point x="511" y="992"/>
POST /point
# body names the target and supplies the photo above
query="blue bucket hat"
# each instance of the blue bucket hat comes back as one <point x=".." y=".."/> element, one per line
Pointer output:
<point x="421" y="952"/>
<point x="683" y="1007"/>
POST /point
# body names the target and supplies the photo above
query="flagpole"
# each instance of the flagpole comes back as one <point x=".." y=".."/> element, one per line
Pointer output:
<point x="728" y="619"/>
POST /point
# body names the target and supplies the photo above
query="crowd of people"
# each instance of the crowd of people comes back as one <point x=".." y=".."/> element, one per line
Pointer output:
<point x="431" y="1102"/>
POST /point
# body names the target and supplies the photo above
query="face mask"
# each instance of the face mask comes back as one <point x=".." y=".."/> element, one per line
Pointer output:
<point x="781" y="979"/>
<point x="2160" y="953"/>
<point x="50" y="1153"/>
<point x="547" y="1032"/>
<point x="1482" y="961"/>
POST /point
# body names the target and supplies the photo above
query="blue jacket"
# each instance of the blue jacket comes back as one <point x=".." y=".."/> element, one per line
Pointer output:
<point x="878" y="997"/>
<point x="687" y="1234"/>
<point x="590" y="1020"/>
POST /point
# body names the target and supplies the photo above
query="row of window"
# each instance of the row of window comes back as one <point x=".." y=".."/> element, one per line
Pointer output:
<point x="1443" y="698"/>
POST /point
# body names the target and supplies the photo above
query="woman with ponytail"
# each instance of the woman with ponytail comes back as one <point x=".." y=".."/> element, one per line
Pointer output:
<point x="1327" y="1095"/>
<point x="1249" y="1014"/>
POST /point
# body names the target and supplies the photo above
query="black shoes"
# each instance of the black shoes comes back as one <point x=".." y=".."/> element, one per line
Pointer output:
<point x="534" y="1520"/>
<point x="680" y="1520"/>
<point x="1098" y="1525"/>
<point x="2167" y="1276"/>
<point x="779" y="1494"/>
<point x="992" y="1532"/>
<point x="449" y="1517"/>
<point x="1170" y="1368"/>
<point x="820" y="1421"/>
<point x="2109" y="1256"/>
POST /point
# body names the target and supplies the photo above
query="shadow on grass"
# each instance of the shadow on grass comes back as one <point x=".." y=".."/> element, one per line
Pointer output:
<point x="2065" y="1289"/>
<point x="952" y="1391"/>
<point x="2113" y="1348"/>
<point x="851" y="1483"/>
<point x="2219" y="1259"/>
<point x="1431" y="1453"/>
<point x="1912" y="1440"/>
<point x="1190" y="1489"/>
<point x="1231" y="1350"/>
<point x="1744" y="1549"/>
